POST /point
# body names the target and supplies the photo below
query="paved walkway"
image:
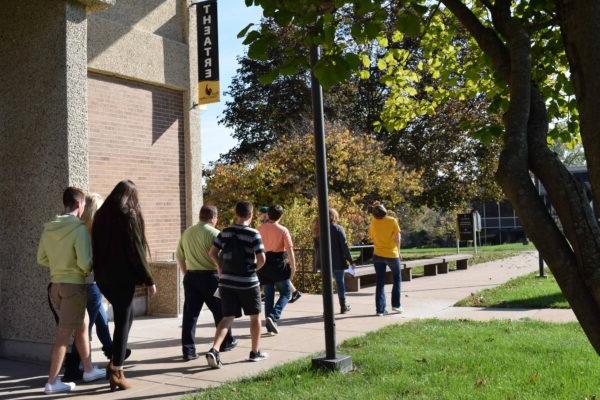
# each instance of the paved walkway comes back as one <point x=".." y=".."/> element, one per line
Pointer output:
<point x="157" y="370"/>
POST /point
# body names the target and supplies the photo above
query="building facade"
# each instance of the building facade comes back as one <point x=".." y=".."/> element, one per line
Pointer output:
<point x="91" y="92"/>
<point x="499" y="222"/>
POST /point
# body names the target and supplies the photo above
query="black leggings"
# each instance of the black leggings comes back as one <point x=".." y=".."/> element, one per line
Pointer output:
<point x="121" y="299"/>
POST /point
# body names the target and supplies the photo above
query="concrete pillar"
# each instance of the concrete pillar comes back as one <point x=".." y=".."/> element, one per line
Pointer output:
<point x="191" y="112"/>
<point x="43" y="149"/>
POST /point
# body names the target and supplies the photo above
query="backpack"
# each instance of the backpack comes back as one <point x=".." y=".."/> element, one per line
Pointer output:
<point x="276" y="268"/>
<point x="237" y="261"/>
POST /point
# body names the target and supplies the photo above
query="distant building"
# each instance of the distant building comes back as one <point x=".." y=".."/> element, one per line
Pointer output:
<point x="499" y="222"/>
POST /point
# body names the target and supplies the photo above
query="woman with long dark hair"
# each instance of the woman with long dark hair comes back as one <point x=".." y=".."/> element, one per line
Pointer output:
<point x="119" y="259"/>
<point x="340" y="255"/>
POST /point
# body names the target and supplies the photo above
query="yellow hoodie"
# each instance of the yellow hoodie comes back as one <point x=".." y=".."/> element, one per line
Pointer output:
<point x="65" y="248"/>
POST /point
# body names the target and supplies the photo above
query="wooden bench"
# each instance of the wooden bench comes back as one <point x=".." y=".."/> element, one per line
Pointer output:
<point x="461" y="260"/>
<point x="431" y="267"/>
<point x="365" y="274"/>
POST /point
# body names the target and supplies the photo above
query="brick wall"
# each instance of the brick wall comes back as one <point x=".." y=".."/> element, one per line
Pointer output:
<point x="136" y="132"/>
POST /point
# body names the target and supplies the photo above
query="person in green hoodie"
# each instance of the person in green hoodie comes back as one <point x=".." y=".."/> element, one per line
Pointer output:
<point x="65" y="248"/>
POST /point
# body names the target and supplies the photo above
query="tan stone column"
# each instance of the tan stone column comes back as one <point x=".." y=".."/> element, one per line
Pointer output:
<point x="193" y="161"/>
<point x="43" y="148"/>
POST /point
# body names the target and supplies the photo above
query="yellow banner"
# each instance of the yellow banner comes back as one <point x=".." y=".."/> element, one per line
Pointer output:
<point x="209" y="92"/>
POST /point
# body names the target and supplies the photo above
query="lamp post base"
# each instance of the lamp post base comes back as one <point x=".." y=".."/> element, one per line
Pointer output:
<point x="341" y="363"/>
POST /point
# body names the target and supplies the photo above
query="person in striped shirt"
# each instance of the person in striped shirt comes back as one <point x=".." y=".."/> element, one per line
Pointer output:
<point x="241" y="253"/>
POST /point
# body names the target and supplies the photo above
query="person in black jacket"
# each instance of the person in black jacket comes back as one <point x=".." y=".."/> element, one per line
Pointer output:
<point x="340" y="255"/>
<point x="119" y="249"/>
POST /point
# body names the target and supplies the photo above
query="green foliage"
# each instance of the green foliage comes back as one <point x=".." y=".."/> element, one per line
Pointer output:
<point x="454" y="67"/>
<point x="271" y="99"/>
<point x="434" y="359"/>
<point x="425" y="227"/>
<point x="454" y="168"/>
<point x="359" y="173"/>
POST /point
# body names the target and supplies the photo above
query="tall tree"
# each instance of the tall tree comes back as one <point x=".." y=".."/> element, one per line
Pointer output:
<point x="260" y="114"/>
<point x="454" y="167"/>
<point x="359" y="173"/>
<point x="540" y="62"/>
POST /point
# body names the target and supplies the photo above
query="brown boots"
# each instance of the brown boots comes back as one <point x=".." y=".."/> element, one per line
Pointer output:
<point x="116" y="378"/>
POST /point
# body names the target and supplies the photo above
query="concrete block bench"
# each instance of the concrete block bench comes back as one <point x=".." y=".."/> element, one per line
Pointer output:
<point x="365" y="274"/>
<point x="461" y="260"/>
<point x="431" y="267"/>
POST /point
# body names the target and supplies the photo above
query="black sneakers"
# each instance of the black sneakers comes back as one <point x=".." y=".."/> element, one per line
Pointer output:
<point x="190" y="357"/>
<point x="344" y="308"/>
<point x="295" y="296"/>
<point x="213" y="359"/>
<point x="257" y="356"/>
<point x="271" y="325"/>
<point x="229" y="346"/>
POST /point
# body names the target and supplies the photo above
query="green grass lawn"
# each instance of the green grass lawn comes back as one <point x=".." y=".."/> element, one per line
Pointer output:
<point x="526" y="291"/>
<point x="442" y="360"/>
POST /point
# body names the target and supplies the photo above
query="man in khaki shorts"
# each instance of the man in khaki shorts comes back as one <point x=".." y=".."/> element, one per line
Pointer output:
<point x="65" y="248"/>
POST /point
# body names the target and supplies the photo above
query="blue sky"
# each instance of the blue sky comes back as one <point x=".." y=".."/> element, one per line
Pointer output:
<point x="233" y="17"/>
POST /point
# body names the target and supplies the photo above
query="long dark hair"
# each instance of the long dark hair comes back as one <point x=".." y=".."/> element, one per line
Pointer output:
<point x="122" y="202"/>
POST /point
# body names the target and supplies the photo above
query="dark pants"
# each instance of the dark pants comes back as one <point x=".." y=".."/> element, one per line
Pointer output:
<point x="98" y="317"/>
<point x="199" y="288"/>
<point x="121" y="299"/>
<point x="341" y="287"/>
<point x="380" y="264"/>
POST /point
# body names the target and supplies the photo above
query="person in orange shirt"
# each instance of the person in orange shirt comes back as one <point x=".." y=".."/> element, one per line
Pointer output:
<point x="263" y="218"/>
<point x="279" y="267"/>
<point x="384" y="231"/>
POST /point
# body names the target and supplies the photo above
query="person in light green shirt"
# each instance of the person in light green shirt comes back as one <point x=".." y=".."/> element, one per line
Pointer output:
<point x="65" y="249"/>
<point x="193" y="246"/>
<point x="200" y="280"/>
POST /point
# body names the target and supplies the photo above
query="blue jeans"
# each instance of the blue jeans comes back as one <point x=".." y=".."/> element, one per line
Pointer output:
<point x="380" y="264"/>
<point x="98" y="317"/>
<point x="341" y="287"/>
<point x="285" y="293"/>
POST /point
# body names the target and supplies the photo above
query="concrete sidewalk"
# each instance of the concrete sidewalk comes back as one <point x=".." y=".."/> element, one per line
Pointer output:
<point x="157" y="370"/>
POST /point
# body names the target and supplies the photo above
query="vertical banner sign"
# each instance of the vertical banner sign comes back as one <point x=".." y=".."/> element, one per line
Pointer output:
<point x="208" y="52"/>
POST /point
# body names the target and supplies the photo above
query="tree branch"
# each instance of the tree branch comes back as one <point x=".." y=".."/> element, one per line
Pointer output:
<point x="486" y="38"/>
<point x="540" y="25"/>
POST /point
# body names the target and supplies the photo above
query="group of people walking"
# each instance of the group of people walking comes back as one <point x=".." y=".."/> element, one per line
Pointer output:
<point x="100" y="247"/>
<point x="108" y="251"/>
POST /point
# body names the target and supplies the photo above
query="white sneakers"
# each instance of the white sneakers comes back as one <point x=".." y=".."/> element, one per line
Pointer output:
<point x="94" y="375"/>
<point x="61" y="387"/>
<point x="398" y="310"/>
<point x="58" y="386"/>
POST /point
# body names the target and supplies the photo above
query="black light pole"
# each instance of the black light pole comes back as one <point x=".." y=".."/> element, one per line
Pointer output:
<point x="331" y="360"/>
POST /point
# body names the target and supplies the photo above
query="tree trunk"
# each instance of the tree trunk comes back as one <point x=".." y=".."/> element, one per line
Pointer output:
<point x="580" y="28"/>
<point x="573" y="258"/>
<point x="574" y="267"/>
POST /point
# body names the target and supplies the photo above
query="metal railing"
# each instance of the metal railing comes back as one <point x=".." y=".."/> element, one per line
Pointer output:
<point x="308" y="278"/>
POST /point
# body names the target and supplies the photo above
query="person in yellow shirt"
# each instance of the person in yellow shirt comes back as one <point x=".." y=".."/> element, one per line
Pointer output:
<point x="384" y="231"/>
